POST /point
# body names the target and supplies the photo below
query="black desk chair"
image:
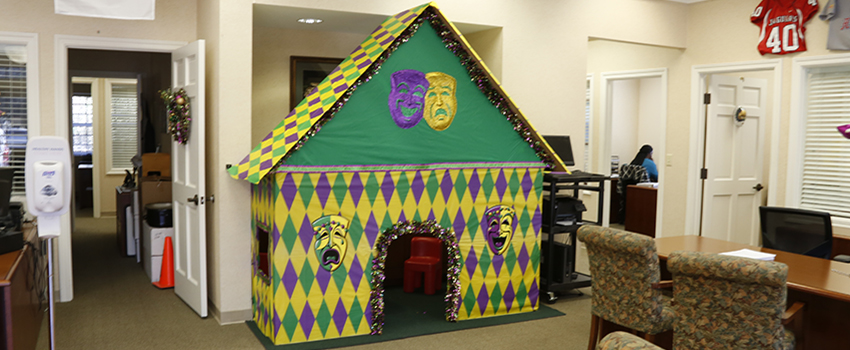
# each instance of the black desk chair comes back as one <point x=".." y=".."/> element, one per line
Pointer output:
<point x="800" y="231"/>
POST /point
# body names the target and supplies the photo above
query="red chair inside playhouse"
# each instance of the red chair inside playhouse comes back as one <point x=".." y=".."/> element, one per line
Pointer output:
<point x="426" y="256"/>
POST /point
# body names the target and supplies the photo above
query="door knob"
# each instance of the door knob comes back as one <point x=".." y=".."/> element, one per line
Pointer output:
<point x="758" y="187"/>
<point x="193" y="199"/>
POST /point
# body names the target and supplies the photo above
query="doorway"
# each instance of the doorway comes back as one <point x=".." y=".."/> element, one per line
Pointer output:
<point x="707" y="146"/>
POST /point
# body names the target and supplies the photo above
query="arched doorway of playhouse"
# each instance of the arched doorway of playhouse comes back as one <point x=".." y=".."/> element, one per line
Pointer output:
<point x="379" y="257"/>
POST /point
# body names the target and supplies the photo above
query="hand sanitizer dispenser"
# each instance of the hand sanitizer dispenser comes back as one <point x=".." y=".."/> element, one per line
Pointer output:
<point x="48" y="181"/>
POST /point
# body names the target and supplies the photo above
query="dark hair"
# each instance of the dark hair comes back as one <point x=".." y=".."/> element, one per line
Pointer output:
<point x="642" y="154"/>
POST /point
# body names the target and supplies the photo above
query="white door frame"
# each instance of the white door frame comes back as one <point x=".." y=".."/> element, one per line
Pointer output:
<point x="62" y="124"/>
<point x="604" y="160"/>
<point x="699" y="74"/>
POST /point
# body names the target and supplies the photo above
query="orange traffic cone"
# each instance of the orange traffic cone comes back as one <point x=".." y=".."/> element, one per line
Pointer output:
<point x="166" y="276"/>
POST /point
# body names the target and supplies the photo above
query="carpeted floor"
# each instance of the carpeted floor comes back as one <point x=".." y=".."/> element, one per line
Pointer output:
<point x="116" y="307"/>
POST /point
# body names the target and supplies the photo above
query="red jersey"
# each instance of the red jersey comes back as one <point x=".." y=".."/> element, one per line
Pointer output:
<point x="781" y="23"/>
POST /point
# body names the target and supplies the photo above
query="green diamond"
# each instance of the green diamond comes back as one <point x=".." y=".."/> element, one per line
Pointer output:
<point x="323" y="318"/>
<point x="521" y="295"/>
<point x="487" y="185"/>
<point x="484" y="261"/>
<point x="306" y="189"/>
<point x="473" y="225"/>
<point x="340" y="189"/>
<point x="340" y="275"/>
<point x="289" y="234"/>
<point x="355" y="230"/>
<point x="496" y="297"/>
<point x="402" y="187"/>
<point x="372" y="187"/>
<point x="469" y="301"/>
<point x="460" y="186"/>
<point x="290" y="321"/>
<point x="306" y="276"/>
<point x="433" y="185"/>
<point x="355" y="314"/>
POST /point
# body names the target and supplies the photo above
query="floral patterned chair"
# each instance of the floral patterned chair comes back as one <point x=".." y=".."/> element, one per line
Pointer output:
<point x="625" y="278"/>
<point x="625" y="341"/>
<point x="725" y="302"/>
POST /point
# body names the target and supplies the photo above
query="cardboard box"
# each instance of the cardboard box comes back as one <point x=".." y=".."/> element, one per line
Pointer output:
<point x="154" y="189"/>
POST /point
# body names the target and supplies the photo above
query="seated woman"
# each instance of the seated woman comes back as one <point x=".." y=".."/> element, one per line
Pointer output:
<point x="641" y="169"/>
<point x="644" y="158"/>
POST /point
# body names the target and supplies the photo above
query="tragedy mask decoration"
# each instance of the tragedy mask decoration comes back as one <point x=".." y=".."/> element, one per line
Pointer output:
<point x="407" y="97"/>
<point x="440" y="101"/>
<point x="499" y="225"/>
<point x="330" y="234"/>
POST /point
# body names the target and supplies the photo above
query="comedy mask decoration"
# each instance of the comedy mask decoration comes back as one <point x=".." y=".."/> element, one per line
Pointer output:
<point x="440" y="101"/>
<point x="330" y="234"/>
<point x="407" y="97"/>
<point x="499" y="225"/>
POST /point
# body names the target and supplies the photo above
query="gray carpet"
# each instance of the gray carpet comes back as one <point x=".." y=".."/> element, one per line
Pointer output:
<point x="116" y="307"/>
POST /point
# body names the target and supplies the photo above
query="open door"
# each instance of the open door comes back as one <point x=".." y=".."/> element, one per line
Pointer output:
<point x="189" y="183"/>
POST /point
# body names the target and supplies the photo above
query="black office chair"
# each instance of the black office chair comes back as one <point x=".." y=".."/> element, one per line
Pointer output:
<point x="800" y="231"/>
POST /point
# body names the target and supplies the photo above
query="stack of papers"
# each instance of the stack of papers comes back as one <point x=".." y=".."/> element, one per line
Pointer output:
<point x="752" y="254"/>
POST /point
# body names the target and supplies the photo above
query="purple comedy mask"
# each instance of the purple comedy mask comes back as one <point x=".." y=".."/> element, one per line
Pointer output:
<point x="407" y="97"/>
<point x="499" y="224"/>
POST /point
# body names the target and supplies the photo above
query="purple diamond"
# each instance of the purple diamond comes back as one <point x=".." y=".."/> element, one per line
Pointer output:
<point x="371" y="230"/>
<point x="306" y="320"/>
<point x="388" y="187"/>
<point x="340" y="316"/>
<point x="536" y="221"/>
<point x="361" y="55"/>
<point x="323" y="277"/>
<point x="501" y="184"/>
<point x="275" y="237"/>
<point x="483" y="299"/>
<point x="266" y="164"/>
<point x="323" y="189"/>
<point x="293" y="124"/>
<point x="401" y="216"/>
<point x="288" y="189"/>
<point x="291" y="138"/>
<point x="276" y="322"/>
<point x="364" y="64"/>
<point x="268" y="148"/>
<point x="474" y="185"/>
<point x="318" y="112"/>
<point x="522" y="259"/>
<point x="459" y="224"/>
<point x="447" y="185"/>
<point x="306" y="234"/>
<point x="368" y="311"/>
<point x="355" y="273"/>
<point x="336" y="77"/>
<point x="290" y="278"/>
<point x="387" y="41"/>
<point x="355" y="189"/>
<point x="533" y="293"/>
<point x="418" y="186"/>
<point x="497" y="261"/>
<point x="471" y="262"/>
<point x="527" y="184"/>
<point x="509" y="296"/>
<point x="408" y="17"/>
<point x="340" y="88"/>
<point x="431" y="215"/>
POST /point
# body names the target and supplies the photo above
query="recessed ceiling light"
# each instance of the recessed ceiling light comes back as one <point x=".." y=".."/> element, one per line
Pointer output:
<point x="310" y="20"/>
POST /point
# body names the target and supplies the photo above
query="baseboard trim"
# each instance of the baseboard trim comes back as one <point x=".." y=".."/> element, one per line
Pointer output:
<point x="230" y="317"/>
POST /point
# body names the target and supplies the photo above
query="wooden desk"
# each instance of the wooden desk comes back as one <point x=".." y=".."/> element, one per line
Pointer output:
<point x="810" y="280"/>
<point x="641" y="203"/>
<point x="21" y="310"/>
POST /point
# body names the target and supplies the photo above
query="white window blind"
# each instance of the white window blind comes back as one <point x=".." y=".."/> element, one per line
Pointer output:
<point x="13" y="124"/>
<point x="587" y="126"/>
<point x="82" y="113"/>
<point x="123" y="116"/>
<point x="826" y="157"/>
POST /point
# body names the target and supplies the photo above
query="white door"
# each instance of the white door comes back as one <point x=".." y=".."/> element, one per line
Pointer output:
<point x="734" y="156"/>
<point x="189" y="183"/>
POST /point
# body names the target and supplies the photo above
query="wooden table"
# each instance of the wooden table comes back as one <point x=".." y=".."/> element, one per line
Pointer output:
<point x="810" y="280"/>
<point x="21" y="310"/>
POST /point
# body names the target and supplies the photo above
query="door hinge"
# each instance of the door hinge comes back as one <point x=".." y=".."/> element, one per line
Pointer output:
<point x="706" y="98"/>
<point x="703" y="174"/>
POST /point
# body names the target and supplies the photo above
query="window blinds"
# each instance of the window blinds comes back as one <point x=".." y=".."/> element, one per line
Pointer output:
<point x="124" y="112"/>
<point x="13" y="124"/>
<point x="826" y="157"/>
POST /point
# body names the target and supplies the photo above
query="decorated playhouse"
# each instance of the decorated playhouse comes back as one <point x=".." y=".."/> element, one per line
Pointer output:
<point x="409" y="135"/>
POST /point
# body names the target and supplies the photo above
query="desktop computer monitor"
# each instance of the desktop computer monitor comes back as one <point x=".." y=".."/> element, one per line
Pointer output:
<point x="561" y="145"/>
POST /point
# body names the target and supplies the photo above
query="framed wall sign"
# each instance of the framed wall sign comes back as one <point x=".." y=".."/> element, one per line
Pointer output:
<point x="305" y="73"/>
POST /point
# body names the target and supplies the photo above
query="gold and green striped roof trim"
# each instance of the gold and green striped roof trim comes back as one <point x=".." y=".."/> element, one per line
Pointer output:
<point x="307" y="113"/>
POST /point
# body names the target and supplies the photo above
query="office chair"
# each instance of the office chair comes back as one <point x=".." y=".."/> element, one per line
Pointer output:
<point x="629" y="175"/>
<point x="625" y="278"/>
<point x="798" y="231"/>
<point x="727" y="302"/>
<point x="625" y="341"/>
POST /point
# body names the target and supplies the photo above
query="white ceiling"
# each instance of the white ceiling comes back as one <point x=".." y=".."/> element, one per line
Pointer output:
<point x="333" y="21"/>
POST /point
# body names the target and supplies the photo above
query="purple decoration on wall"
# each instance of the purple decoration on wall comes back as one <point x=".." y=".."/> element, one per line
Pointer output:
<point x="275" y="237"/>
<point x="288" y="189"/>
<point x="447" y="185"/>
<point x="276" y="322"/>
<point x="527" y="184"/>
<point x="306" y="234"/>
<point x="431" y="216"/>
<point x="417" y="186"/>
<point x="501" y="184"/>
<point x="371" y="230"/>
<point x="533" y="293"/>
<point x="340" y="316"/>
<point x="355" y="273"/>
<point x="387" y="187"/>
<point x="471" y="263"/>
<point x="459" y="225"/>
<point x="537" y="221"/>
<point x="497" y="261"/>
<point x="474" y="185"/>
<point x="306" y="320"/>
<point x="355" y="188"/>
<point x="290" y="278"/>
<point x="523" y="259"/>
<point x="509" y="295"/>
<point x="323" y="189"/>
<point x="407" y="97"/>
<point x="483" y="299"/>
<point x="323" y="277"/>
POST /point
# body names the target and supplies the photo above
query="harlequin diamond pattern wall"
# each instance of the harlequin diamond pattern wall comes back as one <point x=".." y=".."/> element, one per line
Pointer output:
<point x="311" y="303"/>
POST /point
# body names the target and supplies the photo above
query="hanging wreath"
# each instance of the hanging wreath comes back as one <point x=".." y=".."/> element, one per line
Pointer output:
<point x="177" y="104"/>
